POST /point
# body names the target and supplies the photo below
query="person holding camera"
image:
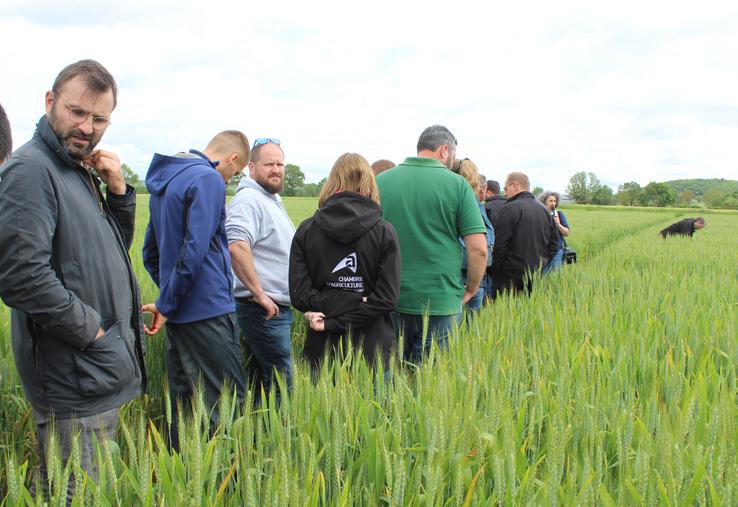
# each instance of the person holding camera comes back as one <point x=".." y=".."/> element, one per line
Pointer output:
<point x="551" y="201"/>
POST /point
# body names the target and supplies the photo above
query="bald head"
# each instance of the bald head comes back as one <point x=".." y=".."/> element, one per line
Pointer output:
<point x="515" y="183"/>
<point x="382" y="165"/>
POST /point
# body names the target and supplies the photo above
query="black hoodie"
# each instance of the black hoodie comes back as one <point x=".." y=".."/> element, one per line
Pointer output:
<point x="344" y="253"/>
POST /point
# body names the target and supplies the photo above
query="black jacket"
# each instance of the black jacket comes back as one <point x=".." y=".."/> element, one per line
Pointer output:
<point x="345" y="252"/>
<point x="65" y="272"/>
<point x="681" y="228"/>
<point x="493" y="205"/>
<point x="525" y="237"/>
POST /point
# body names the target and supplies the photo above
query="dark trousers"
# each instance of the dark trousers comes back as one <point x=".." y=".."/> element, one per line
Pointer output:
<point x="371" y="345"/>
<point x="207" y="351"/>
<point x="94" y="428"/>
<point x="515" y="286"/>
<point x="267" y="345"/>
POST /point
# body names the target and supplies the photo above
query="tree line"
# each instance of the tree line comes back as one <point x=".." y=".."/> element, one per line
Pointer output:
<point x="585" y="188"/>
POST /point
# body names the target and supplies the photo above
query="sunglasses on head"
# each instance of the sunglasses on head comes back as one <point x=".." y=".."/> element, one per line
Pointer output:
<point x="266" y="140"/>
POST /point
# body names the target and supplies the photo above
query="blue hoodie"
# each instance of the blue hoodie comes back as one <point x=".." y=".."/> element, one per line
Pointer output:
<point x="185" y="248"/>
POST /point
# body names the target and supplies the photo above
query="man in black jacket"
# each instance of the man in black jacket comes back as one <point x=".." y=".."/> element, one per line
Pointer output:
<point x="684" y="227"/>
<point x="493" y="201"/>
<point x="525" y="238"/>
<point x="65" y="271"/>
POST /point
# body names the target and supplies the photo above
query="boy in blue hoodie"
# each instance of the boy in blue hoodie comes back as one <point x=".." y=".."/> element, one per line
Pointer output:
<point x="186" y="253"/>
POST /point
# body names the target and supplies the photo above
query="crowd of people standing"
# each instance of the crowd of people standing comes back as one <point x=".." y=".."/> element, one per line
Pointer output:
<point x="381" y="258"/>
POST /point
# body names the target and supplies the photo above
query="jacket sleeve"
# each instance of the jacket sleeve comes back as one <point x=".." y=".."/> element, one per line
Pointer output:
<point x="553" y="239"/>
<point x="28" y="211"/>
<point x="203" y="204"/>
<point x="383" y="298"/>
<point x="308" y="299"/>
<point x="150" y="253"/>
<point x="504" y="226"/>
<point x="123" y="209"/>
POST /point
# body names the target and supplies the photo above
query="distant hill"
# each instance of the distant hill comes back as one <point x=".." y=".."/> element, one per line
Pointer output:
<point x="700" y="185"/>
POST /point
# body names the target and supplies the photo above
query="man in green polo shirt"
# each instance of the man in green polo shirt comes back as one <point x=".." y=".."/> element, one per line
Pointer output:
<point x="429" y="219"/>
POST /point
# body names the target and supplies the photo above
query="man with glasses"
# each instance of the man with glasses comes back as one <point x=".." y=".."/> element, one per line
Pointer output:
<point x="186" y="253"/>
<point x="429" y="220"/>
<point x="525" y="238"/>
<point x="260" y="236"/>
<point x="65" y="269"/>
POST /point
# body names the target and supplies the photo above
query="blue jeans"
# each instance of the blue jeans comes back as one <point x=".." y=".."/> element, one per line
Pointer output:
<point x="417" y="344"/>
<point x="556" y="262"/>
<point x="475" y="303"/>
<point x="267" y="344"/>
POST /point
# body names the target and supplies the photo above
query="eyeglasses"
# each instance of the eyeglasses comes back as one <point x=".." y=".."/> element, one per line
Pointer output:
<point x="509" y="183"/>
<point x="80" y="115"/>
<point x="266" y="140"/>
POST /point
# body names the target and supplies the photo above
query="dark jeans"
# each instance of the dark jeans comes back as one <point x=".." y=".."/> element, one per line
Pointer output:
<point x="515" y="286"/>
<point x="207" y="351"/>
<point x="267" y="344"/>
<point x="95" y="428"/>
<point x="417" y="342"/>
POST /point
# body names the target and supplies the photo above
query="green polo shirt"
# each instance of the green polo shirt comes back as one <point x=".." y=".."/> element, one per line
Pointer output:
<point x="430" y="207"/>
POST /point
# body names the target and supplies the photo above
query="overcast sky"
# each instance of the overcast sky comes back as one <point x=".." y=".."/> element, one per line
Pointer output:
<point x="632" y="91"/>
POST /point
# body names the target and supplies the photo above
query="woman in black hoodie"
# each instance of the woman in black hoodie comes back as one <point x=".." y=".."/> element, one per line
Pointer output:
<point x="345" y="266"/>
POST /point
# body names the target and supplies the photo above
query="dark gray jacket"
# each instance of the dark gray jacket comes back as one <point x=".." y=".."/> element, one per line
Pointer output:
<point x="65" y="272"/>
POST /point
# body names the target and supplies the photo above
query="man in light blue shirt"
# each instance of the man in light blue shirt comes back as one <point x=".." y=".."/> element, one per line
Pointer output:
<point x="259" y="236"/>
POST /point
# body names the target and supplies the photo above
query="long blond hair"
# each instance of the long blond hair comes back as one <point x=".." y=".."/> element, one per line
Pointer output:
<point x="468" y="170"/>
<point x="353" y="173"/>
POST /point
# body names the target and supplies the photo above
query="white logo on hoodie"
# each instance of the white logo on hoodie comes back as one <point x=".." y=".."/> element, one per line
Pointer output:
<point x="347" y="262"/>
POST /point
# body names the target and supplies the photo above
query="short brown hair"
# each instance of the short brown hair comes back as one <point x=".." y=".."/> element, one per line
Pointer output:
<point x="231" y="141"/>
<point x="95" y="76"/>
<point x="350" y="172"/>
<point x="257" y="149"/>
<point x="382" y="165"/>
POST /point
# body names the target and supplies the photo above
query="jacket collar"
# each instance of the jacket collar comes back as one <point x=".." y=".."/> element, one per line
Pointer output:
<point x="213" y="163"/>
<point x="47" y="135"/>
<point x="522" y="195"/>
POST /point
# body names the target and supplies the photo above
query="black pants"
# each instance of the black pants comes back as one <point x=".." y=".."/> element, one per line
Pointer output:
<point x="317" y="343"/>
<point x="515" y="286"/>
<point x="207" y="351"/>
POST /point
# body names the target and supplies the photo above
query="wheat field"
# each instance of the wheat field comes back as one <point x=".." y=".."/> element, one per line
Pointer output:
<point x="613" y="384"/>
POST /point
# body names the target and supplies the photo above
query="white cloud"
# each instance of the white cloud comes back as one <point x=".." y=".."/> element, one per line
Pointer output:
<point x="632" y="91"/>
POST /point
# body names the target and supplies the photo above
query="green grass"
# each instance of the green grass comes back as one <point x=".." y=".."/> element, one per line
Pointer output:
<point x="614" y="384"/>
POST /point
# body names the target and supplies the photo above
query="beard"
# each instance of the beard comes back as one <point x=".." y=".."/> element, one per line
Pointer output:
<point x="272" y="188"/>
<point x="76" y="151"/>
<point x="450" y="160"/>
